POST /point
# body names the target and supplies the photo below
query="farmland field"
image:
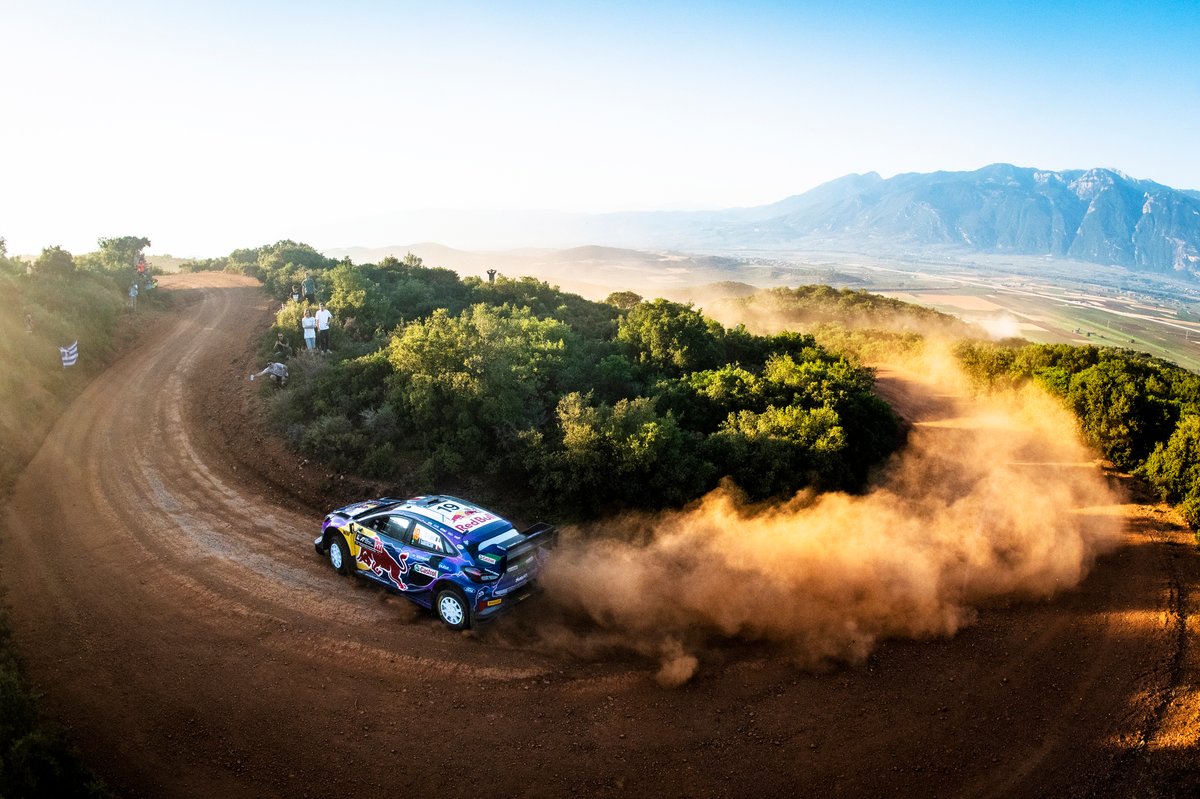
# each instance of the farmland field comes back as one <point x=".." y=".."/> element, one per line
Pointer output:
<point x="1036" y="299"/>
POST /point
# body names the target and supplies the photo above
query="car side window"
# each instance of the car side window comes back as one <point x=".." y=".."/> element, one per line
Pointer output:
<point x="424" y="538"/>
<point x="397" y="527"/>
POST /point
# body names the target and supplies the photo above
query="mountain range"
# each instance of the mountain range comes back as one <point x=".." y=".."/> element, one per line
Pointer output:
<point x="1100" y="216"/>
<point x="1097" y="215"/>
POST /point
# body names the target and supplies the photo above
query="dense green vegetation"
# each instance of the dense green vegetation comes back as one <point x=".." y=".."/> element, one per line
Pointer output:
<point x="1141" y="412"/>
<point x="634" y="403"/>
<point x="55" y="300"/>
<point x="576" y="405"/>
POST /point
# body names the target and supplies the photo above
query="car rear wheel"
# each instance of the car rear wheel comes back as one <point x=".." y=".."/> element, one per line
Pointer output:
<point x="451" y="607"/>
<point x="339" y="554"/>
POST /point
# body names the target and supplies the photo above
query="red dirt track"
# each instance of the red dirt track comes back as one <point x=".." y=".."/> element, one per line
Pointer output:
<point x="159" y="571"/>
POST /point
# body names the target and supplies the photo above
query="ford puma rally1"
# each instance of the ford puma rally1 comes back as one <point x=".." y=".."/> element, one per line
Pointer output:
<point x="465" y="563"/>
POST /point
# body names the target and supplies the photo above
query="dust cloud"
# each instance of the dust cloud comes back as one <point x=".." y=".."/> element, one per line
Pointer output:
<point x="993" y="497"/>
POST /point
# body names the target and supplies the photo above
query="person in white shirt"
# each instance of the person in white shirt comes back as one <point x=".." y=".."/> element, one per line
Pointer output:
<point x="309" y="325"/>
<point x="324" y="317"/>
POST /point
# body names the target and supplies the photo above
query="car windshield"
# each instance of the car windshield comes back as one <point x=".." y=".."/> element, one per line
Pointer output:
<point x="374" y="506"/>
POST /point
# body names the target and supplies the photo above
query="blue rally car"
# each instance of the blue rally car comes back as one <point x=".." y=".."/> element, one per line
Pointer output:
<point x="444" y="553"/>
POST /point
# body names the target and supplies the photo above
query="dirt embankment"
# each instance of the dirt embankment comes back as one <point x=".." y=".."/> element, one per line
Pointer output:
<point x="158" y="566"/>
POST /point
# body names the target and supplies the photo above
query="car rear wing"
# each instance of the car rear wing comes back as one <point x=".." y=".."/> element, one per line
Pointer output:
<point x="540" y="536"/>
<point x="543" y="533"/>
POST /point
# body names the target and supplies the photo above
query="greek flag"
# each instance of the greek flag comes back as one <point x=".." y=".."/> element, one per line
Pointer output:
<point x="70" y="354"/>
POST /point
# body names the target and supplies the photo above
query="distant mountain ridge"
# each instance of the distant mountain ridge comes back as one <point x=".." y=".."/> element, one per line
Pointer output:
<point x="1101" y="216"/>
<point x="1097" y="215"/>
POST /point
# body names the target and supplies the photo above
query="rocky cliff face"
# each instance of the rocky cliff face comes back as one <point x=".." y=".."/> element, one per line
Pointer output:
<point x="1097" y="215"/>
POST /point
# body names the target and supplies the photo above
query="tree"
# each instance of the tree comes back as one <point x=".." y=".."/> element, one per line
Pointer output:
<point x="7" y="264"/>
<point x="624" y="454"/>
<point x="121" y="253"/>
<point x="471" y="384"/>
<point x="780" y="450"/>
<point x="1122" y="409"/>
<point x="623" y="300"/>
<point x="54" y="261"/>
<point x="354" y="296"/>
<point x="1174" y="468"/>
<point x="671" y="336"/>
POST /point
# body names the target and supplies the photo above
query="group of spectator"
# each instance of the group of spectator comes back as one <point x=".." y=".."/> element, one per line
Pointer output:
<point x="316" y="329"/>
<point x="314" y="326"/>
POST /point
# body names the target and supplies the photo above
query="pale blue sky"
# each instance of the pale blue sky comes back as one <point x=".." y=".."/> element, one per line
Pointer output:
<point x="209" y="126"/>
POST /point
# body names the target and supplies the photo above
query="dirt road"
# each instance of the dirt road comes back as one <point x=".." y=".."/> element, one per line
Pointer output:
<point x="158" y="566"/>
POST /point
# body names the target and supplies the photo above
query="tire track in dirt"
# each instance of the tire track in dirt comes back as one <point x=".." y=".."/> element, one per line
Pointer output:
<point x="170" y="607"/>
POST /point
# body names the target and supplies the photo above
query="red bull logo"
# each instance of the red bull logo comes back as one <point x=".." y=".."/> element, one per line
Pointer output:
<point x="381" y="563"/>
<point x="475" y="520"/>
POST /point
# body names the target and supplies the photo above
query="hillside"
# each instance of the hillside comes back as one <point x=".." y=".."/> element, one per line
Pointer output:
<point x="590" y="270"/>
<point x="1098" y="215"/>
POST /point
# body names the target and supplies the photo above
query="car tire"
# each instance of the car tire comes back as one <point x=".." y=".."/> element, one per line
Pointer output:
<point x="452" y="609"/>
<point x="339" y="554"/>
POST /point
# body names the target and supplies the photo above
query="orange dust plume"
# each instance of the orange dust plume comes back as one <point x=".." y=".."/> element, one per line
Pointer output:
<point x="992" y="497"/>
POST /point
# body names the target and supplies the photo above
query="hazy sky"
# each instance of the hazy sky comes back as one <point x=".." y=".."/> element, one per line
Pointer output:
<point x="215" y="125"/>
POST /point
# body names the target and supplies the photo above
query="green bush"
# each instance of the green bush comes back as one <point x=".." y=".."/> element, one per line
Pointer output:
<point x="584" y="406"/>
<point x="1189" y="509"/>
<point x="1174" y="467"/>
<point x="620" y="455"/>
<point x="672" y="337"/>
<point x="1141" y="412"/>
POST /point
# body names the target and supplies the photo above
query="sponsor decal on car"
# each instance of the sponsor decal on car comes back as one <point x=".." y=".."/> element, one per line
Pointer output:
<point x="383" y="564"/>
<point x="465" y="522"/>
<point x="493" y="602"/>
<point x="421" y="568"/>
<point x="489" y="559"/>
<point x="366" y="541"/>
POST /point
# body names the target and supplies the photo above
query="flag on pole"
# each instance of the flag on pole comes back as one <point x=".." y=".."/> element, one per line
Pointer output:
<point x="70" y="354"/>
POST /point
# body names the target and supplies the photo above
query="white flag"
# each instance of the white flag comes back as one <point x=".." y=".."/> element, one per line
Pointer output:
<point x="70" y="354"/>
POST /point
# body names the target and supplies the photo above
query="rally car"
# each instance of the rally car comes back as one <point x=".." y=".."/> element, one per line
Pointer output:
<point x="465" y="563"/>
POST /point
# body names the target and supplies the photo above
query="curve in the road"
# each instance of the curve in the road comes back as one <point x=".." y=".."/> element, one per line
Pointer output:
<point x="181" y="627"/>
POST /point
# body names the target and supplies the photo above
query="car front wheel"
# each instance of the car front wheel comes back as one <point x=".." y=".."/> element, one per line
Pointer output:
<point x="452" y="609"/>
<point x="339" y="554"/>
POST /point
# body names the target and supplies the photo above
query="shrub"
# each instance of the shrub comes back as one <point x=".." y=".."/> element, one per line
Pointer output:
<point x="1174" y="467"/>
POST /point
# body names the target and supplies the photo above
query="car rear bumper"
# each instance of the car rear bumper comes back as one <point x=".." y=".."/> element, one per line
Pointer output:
<point x="486" y="608"/>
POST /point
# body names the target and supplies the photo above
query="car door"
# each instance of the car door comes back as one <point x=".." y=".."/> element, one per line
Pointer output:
<point x="427" y="549"/>
<point x="382" y="552"/>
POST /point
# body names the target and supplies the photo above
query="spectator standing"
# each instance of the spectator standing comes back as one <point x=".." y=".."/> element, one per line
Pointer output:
<point x="309" y="326"/>
<point x="310" y="288"/>
<point x="324" y="317"/>
<point x="133" y="292"/>
<point x="295" y="292"/>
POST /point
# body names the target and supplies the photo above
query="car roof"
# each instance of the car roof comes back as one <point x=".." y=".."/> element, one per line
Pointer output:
<point x="464" y="520"/>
